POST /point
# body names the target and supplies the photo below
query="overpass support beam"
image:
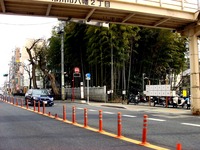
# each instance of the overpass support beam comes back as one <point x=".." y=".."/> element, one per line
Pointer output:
<point x="194" y="69"/>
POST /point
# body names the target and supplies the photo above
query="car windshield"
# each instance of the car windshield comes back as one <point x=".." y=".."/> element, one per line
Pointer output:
<point x="40" y="92"/>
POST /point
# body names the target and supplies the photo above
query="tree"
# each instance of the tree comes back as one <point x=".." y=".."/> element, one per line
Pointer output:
<point x="27" y="69"/>
<point x="135" y="50"/>
<point x="33" y="59"/>
<point x="41" y="53"/>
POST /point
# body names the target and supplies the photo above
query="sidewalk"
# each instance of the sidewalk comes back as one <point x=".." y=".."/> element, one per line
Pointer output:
<point x="139" y="107"/>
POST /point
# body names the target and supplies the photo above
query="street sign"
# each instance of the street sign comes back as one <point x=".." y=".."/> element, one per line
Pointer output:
<point x="158" y="90"/>
<point x="76" y="70"/>
<point x="88" y="76"/>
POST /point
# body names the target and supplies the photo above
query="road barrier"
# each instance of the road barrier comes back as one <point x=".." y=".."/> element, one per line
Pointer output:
<point x="144" y="131"/>
<point x="178" y="146"/>
<point x="34" y="109"/>
<point x="26" y="104"/>
<point x="43" y="110"/>
<point x="85" y="125"/>
<point x="119" y="125"/>
<point x="100" y="121"/>
<point x="85" y="118"/>
<point x="21" y="103"/>
<point x="73" y="114"/>
<point x="17" y="101"/>
<point x="38" y="106"/>
<point x="56" y="116"/>
<point x="64" y="113"/>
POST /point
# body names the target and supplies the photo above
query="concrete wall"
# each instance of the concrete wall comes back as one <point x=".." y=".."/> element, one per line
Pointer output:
<point x="95" y="93"/>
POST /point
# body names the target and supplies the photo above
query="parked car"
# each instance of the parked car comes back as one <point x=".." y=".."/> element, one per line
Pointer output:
<point x="39" y="96"/>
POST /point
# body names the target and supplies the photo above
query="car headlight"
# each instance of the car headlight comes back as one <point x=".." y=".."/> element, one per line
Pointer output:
<point x="51" y="98"/>
<point x="36" y="98"/>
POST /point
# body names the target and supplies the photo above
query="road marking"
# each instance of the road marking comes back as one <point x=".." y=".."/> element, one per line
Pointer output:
<point x="130" y="116"/>
<point x="154" y="119"/>
<point x="92" y="110"/>
<point x="106" y="112"/>
<point x="152" y="146"/>
<point x="80" y="108"/>
<point x="191" y="124"/>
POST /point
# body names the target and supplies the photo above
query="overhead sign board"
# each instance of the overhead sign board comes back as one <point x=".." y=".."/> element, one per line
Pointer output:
<point x="158" y="90"/>
<point x="102" y="3"/>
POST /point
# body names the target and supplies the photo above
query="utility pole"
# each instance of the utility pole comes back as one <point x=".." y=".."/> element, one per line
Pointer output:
<point x="112" y="80"/>
<point x="143" y="82"/>
<point x="61" y="32"/>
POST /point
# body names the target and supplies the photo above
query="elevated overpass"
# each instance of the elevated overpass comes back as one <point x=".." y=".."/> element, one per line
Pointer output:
<point x="170" y="14"/>
<point x="180" y="15"/>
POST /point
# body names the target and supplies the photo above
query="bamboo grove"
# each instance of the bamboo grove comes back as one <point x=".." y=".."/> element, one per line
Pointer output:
<point x="156" y="52"/>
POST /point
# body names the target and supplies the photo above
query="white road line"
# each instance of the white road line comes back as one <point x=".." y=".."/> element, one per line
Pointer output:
<point x="79" y="108"/>
<point x="130" y="116"/>
<point x="106" y="112"/>
<point x="92" y="110"/>
<point x="154" y="119"/>
<point x="191" y="124"/>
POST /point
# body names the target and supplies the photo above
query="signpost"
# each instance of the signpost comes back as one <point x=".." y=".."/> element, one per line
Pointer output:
<point x="75" y="74"/>
<point x="88" y="76"/>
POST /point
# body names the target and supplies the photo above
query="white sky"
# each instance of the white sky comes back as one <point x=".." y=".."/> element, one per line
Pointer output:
<point x="14" y="30"/>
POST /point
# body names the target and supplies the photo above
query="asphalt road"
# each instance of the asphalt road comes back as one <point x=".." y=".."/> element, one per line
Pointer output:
<point x="27" y="130"/>
<point x="166" y="127"/>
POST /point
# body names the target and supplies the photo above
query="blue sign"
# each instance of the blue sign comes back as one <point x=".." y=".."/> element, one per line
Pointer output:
<point x="88" y="76"/>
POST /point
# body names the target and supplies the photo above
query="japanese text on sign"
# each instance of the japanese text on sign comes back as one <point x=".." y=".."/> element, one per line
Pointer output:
<point x="100" y="3"/>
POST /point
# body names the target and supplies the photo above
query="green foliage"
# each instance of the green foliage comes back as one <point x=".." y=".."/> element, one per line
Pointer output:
<point x="136" y="50"/>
